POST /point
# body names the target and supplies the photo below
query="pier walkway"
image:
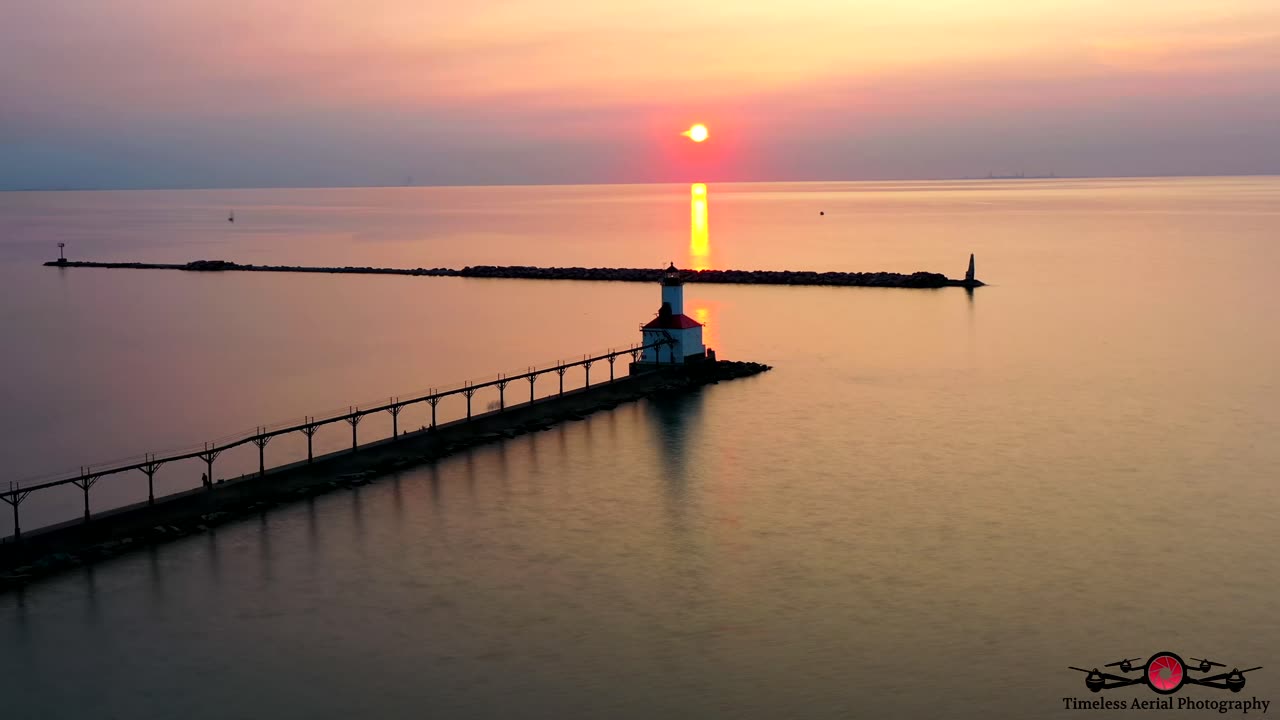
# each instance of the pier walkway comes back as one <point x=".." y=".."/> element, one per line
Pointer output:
<point x="15" y="493"/>
<point x="72" y="544"/>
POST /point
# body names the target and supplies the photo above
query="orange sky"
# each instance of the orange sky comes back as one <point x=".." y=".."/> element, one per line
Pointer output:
<point x="513" y="76"/>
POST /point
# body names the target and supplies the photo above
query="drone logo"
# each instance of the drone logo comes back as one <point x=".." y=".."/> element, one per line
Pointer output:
<point x="1165" y="673"/>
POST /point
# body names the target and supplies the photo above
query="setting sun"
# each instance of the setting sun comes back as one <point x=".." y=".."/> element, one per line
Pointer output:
<point x="697" y="133"/>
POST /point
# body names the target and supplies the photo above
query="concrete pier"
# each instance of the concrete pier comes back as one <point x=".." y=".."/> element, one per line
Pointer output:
<point x="27" y="556"/>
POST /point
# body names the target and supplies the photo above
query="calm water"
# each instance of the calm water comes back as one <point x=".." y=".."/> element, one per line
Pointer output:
<point x="933" y="505"/>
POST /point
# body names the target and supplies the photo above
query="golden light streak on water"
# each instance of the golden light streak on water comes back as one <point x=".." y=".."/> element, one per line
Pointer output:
<point x="699" y="228"/>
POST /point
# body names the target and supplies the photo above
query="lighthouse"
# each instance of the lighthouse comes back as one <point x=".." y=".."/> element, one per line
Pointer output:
<point x="671" y="324"/>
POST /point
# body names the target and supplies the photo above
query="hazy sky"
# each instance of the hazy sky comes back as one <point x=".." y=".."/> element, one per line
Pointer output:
<point x="198" y="93"/>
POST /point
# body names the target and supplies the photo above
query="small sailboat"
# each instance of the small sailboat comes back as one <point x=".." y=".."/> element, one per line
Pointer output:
<point x="232" y="216"/>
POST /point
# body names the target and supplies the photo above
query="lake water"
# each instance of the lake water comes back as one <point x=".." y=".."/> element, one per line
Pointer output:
<point x="934" y="504"/>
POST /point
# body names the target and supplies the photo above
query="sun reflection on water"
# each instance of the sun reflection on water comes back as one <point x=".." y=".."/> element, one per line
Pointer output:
<point x="699" y="228"/>
<point x="700" y="257"/>
<point x="702" y="313"/>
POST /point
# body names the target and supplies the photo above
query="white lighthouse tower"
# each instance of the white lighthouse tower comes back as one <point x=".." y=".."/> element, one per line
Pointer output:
<point x="671" y="324"/>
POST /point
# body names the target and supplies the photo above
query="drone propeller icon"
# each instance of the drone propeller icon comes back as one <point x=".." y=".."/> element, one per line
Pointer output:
<point x="1165" y="673"/>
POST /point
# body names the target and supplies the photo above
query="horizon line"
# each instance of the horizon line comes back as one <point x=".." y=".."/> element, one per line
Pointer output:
<point x="972" y="178"/>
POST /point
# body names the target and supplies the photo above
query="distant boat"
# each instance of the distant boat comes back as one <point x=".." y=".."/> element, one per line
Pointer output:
<point x="232" y="216"/>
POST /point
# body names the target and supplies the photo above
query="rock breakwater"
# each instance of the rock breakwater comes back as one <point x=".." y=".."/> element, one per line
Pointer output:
<point x="922" y="280"/>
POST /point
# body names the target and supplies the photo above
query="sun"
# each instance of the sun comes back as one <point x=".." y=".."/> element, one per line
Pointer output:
<point x="697" y="133"/>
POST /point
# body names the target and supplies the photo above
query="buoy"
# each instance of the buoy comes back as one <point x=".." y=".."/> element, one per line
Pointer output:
<point x="822" y="212"/>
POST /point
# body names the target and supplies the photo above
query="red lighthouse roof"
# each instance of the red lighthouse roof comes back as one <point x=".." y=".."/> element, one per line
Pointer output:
<point x="671" y="322"/>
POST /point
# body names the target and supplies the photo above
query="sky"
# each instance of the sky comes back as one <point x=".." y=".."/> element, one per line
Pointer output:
<point x="268" y="93"/>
